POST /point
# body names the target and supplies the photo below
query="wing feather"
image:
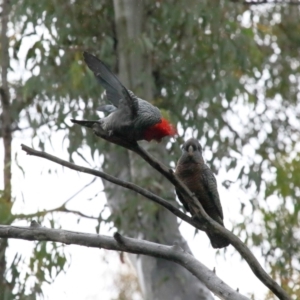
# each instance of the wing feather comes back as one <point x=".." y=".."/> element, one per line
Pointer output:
<point x="116" y="93"/>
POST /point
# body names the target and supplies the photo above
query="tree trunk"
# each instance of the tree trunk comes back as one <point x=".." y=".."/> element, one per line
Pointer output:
<point x="5" y="199"/>
<point x="159" y="279"/>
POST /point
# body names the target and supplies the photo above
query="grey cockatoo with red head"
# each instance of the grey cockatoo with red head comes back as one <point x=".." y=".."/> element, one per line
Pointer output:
<point x="129" y="117"/>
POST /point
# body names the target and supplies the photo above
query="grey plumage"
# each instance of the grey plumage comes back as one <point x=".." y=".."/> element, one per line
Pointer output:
<point x="107" y="108"/>
<point x="129" y="115"/>
<point x="199" y="178"/>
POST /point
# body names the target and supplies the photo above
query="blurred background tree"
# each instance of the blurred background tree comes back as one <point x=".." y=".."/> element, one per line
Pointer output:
<point x="224" y="70"/>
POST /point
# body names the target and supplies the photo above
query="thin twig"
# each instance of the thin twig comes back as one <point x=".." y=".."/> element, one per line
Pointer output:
<point x="78" y="192"/>
<point x="42" y="213"/>
<point x="61" y="208"/>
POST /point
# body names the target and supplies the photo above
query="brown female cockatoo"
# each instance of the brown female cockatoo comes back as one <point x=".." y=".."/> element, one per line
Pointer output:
<point x="200" y="180"/>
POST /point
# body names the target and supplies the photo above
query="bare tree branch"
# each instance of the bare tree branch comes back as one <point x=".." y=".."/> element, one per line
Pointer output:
<point x="117" y="181"/>
<point x="207" y="221"/>
<point x="199" y="211"/>
<point x="130" y="245"/>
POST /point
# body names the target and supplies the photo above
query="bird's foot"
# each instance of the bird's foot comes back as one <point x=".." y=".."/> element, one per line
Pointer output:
<point x="103" y="125"/>
<point x="198" y="218"/>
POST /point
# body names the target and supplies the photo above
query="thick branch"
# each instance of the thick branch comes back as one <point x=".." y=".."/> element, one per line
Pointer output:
<point x="6" y="202"/>
<point x="5" y="103"/>
<point x="198" y="209"/>
<point x="130" y="245"/>
<point x="235" y="241"/>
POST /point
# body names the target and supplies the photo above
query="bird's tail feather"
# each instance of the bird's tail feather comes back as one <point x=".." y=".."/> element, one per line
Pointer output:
<point x="217" y="240"/>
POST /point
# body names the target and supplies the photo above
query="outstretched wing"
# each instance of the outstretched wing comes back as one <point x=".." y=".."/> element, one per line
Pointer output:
<point x="115" y="91"/>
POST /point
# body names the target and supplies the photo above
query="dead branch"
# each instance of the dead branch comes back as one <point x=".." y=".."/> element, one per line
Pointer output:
<point x="120" y="243"/>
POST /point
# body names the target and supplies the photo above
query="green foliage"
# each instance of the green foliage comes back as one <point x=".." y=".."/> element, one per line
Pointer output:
<point x="46" y="262"/>
<point x="228" y="72"/>
<point x="5" y="209"/>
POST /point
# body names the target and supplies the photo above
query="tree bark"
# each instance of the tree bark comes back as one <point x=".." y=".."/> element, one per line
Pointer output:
<point x="5" y="200"/>
<point x="121" y="243"/>
<point x="5" y="102"/>
<point x="159" y="279"/>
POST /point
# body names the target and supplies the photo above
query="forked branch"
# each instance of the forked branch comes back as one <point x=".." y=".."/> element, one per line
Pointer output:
<point x="207" y="221"/>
